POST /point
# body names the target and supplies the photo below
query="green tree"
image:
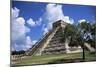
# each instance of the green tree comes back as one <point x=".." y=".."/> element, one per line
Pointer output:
<point x="92" y="40"/>
<point x="79" y="34"/>
<point x="88" y="32"/>
<point x="84" y="29"/>
<point x="70" y="34"/>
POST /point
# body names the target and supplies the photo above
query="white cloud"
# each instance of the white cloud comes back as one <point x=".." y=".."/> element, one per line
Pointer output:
<point x="15" y="12"/>
<point x="44" y="29"/>
<point x="31" y="22"/>
<point x="29" y="42"/>
<point x="18" y="27"/>
<point x="82" y="20"/>
<point x="67" y="19"/>
<point x="39" y="21"/>
<point x="53" y="13"/>
<point x="19" y="40"/>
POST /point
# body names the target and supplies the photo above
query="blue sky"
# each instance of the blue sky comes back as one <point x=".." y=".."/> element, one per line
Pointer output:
<point x="36" y="18"/>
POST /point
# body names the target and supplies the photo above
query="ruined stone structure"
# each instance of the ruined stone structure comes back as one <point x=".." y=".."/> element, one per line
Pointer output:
<point x="52" y="42"/>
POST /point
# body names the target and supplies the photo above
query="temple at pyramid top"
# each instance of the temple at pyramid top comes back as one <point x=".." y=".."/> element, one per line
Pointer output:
<point x="59" y="23"/>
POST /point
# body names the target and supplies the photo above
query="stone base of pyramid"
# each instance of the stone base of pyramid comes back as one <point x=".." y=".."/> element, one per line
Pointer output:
<point x="61" y="50"/>
<point x="74" y="50"/>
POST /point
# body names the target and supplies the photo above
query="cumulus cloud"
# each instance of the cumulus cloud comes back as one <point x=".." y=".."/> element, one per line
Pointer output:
<point x="44" y="29"/>
<point x="31" y="22"/>
<point x="82" y="20"/>
<point x="19" y="40"/>
<point x="67" y="19"/>
<point x="54" y="12"/>
<point x="39" y="21"/>
<point x="15" y="12"/>
<point x="29" y="42"/>
<point x="18" y="25"/>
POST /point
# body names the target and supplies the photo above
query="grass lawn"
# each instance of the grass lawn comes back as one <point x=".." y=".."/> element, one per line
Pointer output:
<point x="61" y="58"/>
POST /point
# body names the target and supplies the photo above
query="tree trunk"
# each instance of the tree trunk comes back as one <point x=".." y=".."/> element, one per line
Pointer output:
<point x="83" y="52"/>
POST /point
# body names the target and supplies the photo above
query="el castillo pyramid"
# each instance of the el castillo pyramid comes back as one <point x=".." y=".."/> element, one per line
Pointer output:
<point x="51" y="43"/>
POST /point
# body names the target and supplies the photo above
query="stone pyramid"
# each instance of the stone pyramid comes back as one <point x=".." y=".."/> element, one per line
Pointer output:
<point x="51" y="43"/>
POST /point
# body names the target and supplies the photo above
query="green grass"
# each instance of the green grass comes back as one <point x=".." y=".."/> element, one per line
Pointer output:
<point x="61" y="58"/>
